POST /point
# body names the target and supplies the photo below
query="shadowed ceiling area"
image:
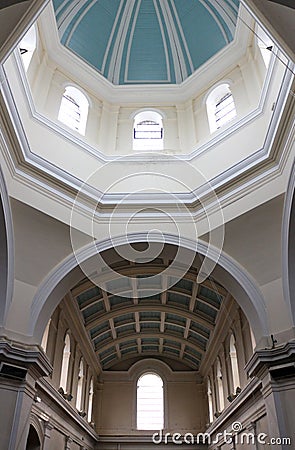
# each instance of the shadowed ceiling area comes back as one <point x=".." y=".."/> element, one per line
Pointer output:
<point x="146" y="41"/>
<point x="136" y="316"/>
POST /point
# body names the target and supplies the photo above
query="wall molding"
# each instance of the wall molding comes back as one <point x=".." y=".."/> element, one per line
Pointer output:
<point x="244" y="177"/>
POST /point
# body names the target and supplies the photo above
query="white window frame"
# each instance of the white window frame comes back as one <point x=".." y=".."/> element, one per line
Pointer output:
<point x="144" y="406"/>
<point x="149" y="124"/>
<point x="90" y="401"/>
<point x="234" y="364"/>
<point x="45" y="336"/>
<point x="218" y="101"/>
<point x="80" y="386"/>
<point x="65" y="363"/>
<point x="220" y="387"/>
<point x="74" y="108"/>
<point x="210" y="400"/>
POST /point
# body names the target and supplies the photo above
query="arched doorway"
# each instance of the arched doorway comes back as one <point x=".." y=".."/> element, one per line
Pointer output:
<point x="33" y="441"/>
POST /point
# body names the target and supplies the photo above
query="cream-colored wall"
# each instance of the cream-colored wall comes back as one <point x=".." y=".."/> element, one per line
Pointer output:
<point x="186" y="407"/>
<point x="184" y="403"/>
<point x="182" y="132"/>
<point x="250" y="239"/>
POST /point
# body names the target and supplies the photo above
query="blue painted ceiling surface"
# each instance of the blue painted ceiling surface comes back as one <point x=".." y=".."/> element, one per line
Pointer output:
<point x="146" y="41"/>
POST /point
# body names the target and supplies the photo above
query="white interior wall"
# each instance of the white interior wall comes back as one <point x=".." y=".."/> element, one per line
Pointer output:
<point x="185" y="124"/>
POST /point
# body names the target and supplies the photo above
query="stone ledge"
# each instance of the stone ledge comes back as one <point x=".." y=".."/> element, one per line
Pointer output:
<point x="28" y="357"/>
<point x="277" y="360"/>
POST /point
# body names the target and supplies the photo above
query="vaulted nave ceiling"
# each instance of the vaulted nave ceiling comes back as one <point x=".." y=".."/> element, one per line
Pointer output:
<point x="146" y="41"/>
<point x="136" y="316"/>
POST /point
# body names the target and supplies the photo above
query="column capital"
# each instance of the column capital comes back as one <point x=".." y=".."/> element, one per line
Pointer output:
<point x="48" y="426"/>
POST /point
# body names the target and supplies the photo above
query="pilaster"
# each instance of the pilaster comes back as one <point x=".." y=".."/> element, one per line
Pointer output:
<point x="47" y="435"/>
<point x="275" y="367"/>
<point x="21" y="366"/>
<point x="68" y="441"/>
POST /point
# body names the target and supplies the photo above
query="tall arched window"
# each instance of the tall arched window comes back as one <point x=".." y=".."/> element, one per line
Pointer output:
<point x="150" y="402"/>
<point x="45" y="336"/>
<point x="65" y="363"/>
<point x="73" y="109"/>
<point x="79" y="397"/>
<point x="220" y="107"/>
<point x="28" y="45"/>
<point x="210" y="400"/>
<point x="219" y="386"/>
<point x="90" y="401"/>
<point x="234" y="363"/>
<point x="148" y="131"/>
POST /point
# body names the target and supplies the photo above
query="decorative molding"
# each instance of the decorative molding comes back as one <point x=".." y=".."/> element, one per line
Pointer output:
<point x="154" y="365"/>
<point x="257" y="169"/>
<point x="218" y="137"/>
<point x="74" y="318"/>
<point x="244" y="396"/>
<point x="7" y="267"/>
<point x="27" y="356"/>
<point x="45" y="386"/>
<point x="272" y="359"/>
<point x="288" y="245"/>
<point x="244" y="288"/>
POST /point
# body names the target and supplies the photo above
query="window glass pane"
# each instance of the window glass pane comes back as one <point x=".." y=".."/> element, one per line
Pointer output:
<point x="73" y="110"/>
<point x="225" y="110"/>
<point x="220" y="107"/>
<point x="148" y="131"/>
<point x="150" y="404"/>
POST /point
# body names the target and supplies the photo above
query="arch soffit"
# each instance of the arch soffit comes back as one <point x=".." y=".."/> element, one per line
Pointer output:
<point x="7" y="250"/>
<point x="288" y="245"/>
<point x="233" y="277"/>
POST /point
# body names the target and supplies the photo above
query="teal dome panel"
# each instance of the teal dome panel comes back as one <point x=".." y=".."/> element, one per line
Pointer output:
<point x="146" y="41"/>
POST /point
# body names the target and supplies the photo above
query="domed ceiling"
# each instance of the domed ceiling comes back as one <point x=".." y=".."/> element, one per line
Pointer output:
<point x="146" y="41"/>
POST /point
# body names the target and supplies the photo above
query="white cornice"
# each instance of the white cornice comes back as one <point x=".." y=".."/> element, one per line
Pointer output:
<point x="52" y="178"/>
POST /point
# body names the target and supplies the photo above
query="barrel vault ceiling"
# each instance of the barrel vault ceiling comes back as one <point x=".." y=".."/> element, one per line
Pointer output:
<point x="135" y="317"/>
<point x="146" y="41"/>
